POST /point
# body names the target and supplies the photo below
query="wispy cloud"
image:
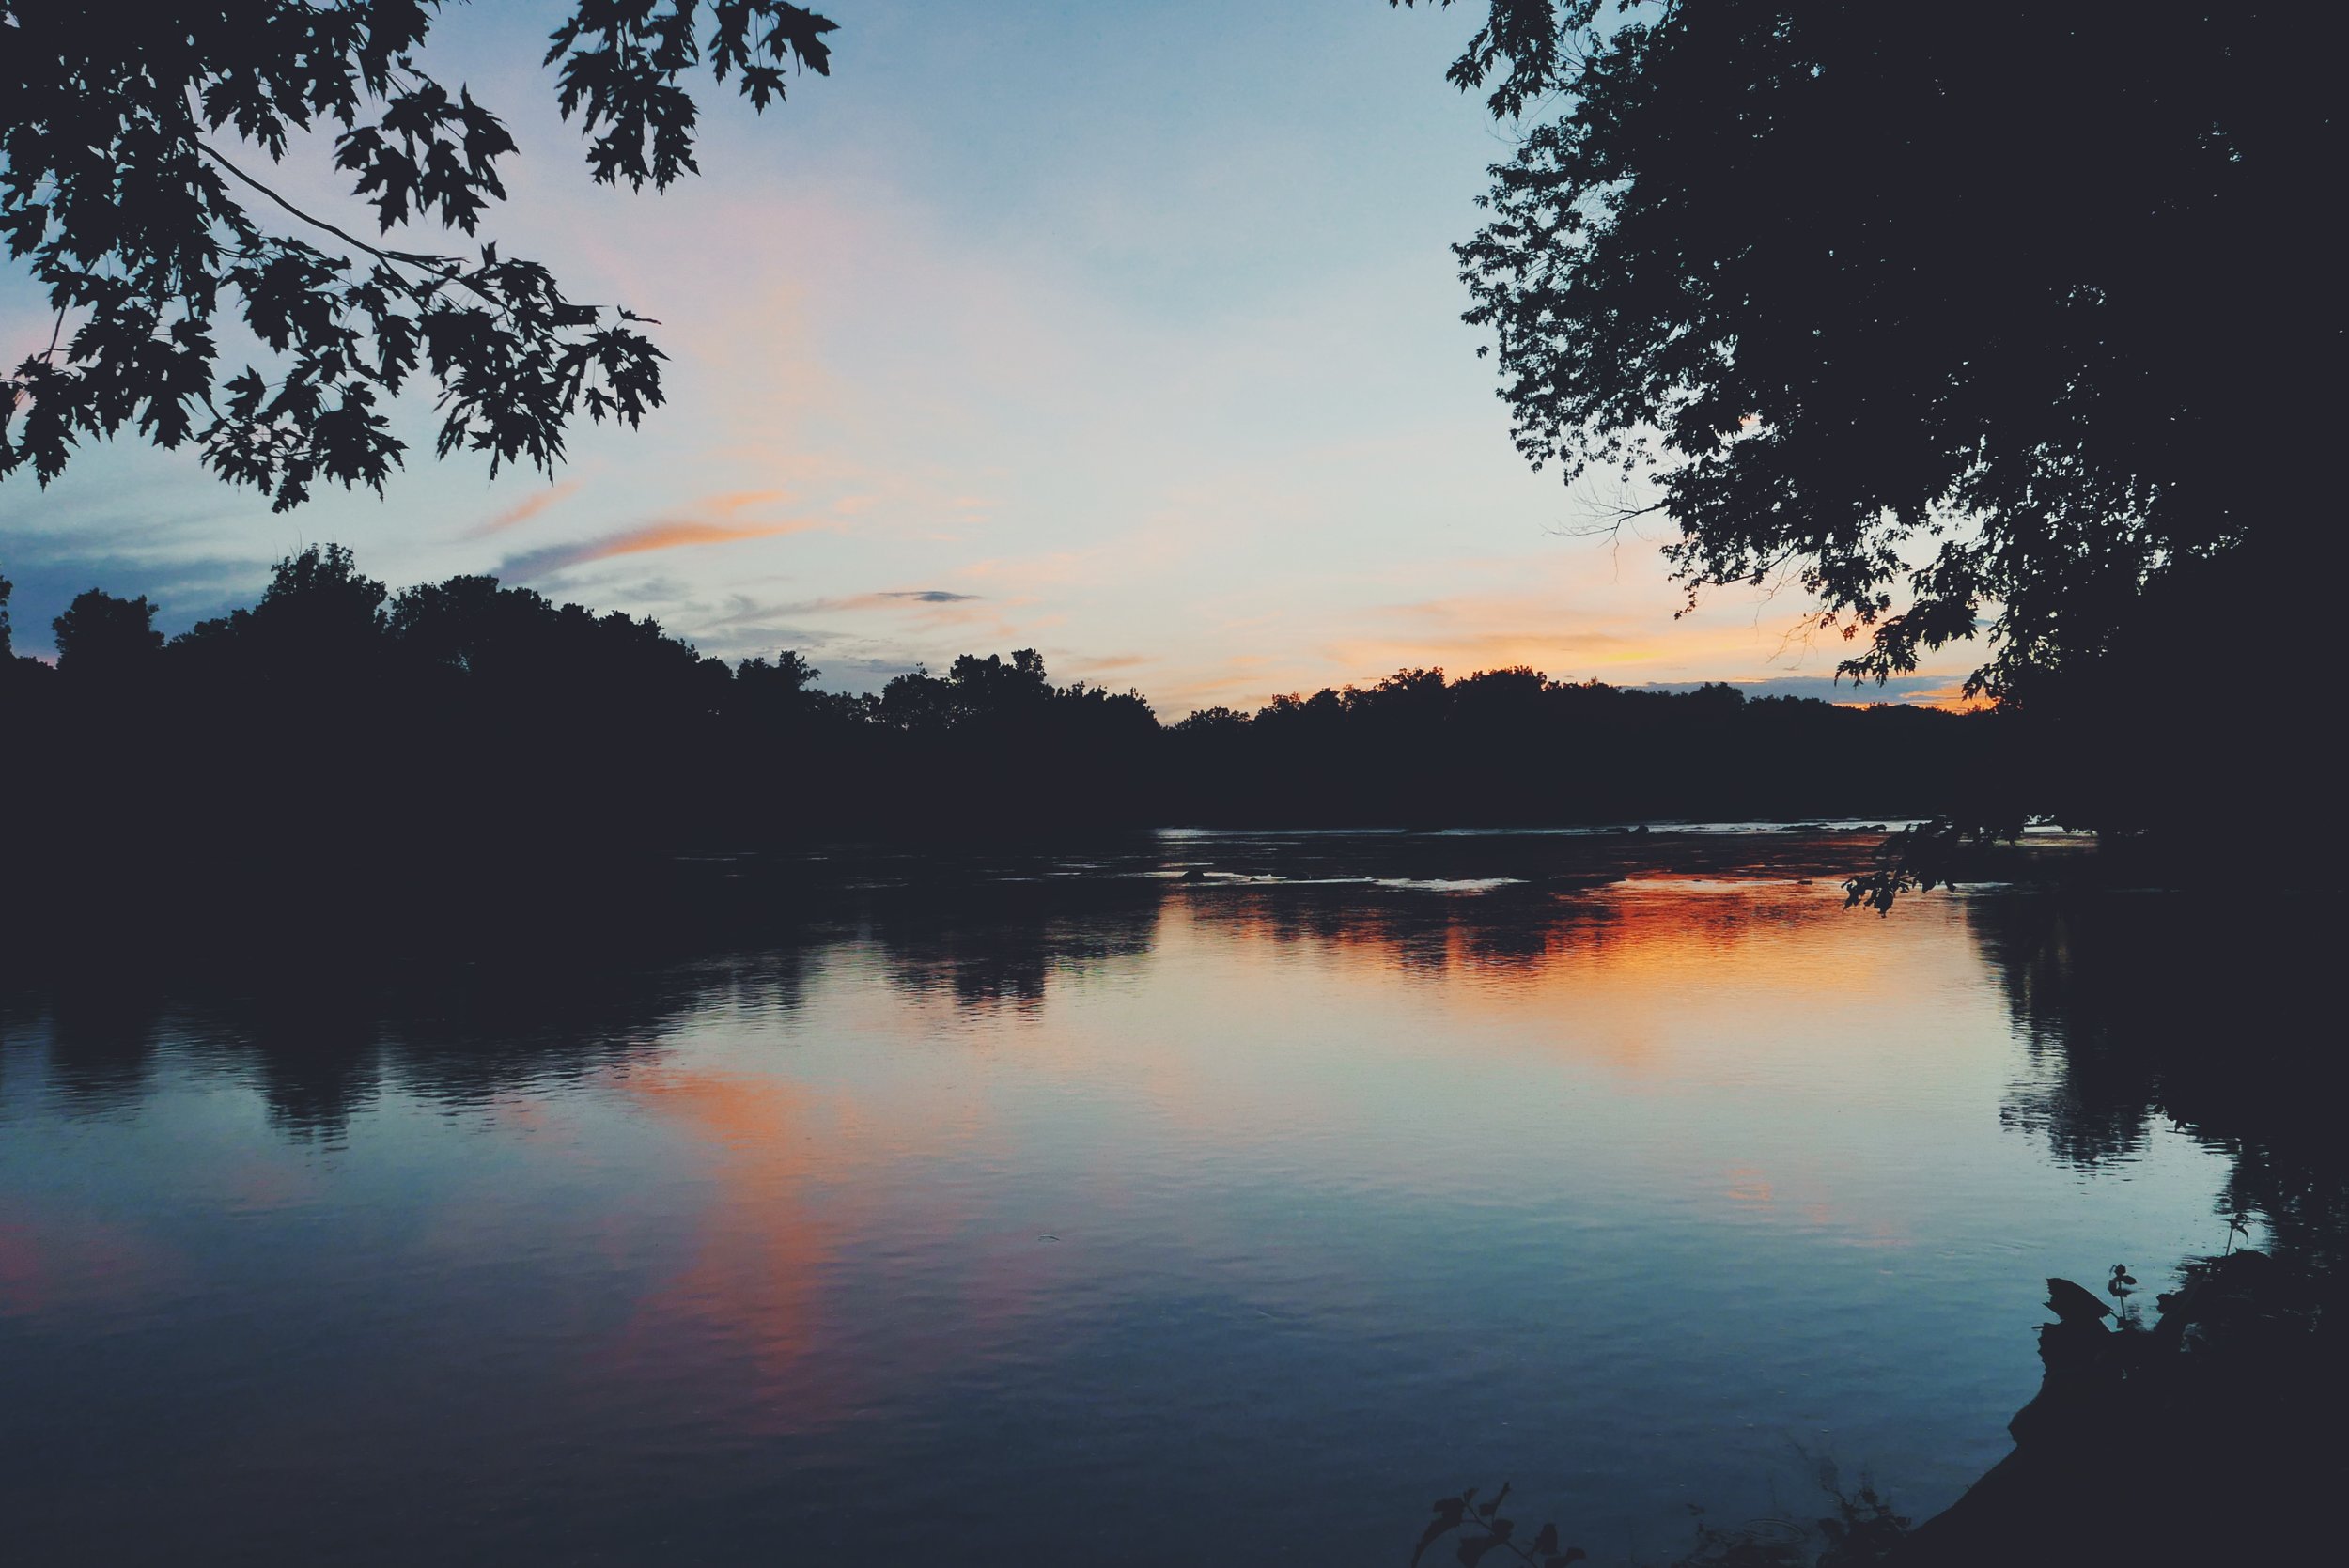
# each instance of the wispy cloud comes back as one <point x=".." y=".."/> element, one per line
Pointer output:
<point x="638" y="541"/>
<point x="524" y="510"/>
<point x="935" y="605"/>
<point x="735" y="500"/>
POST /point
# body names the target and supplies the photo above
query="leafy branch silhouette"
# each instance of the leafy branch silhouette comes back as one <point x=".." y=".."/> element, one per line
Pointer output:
<point x="116" y="191"/>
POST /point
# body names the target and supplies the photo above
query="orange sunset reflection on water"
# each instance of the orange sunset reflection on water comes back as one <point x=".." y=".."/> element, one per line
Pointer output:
<point x="869" y="1142"/>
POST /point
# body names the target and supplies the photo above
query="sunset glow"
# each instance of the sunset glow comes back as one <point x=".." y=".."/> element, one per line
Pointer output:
<point x="1223" y="443"/>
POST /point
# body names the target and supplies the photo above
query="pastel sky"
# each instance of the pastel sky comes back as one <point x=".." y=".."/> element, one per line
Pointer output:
<point x="1126" y="331"/>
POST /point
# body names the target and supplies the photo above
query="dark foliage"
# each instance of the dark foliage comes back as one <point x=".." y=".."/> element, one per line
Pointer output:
<point x="124" y="187"/>
<point x="2210" y="1435"/>
<point x="1511" y="747"/>
<point x="2207" y="1437"/>
<point x="1862" y="1531"/>
<point x="465" y="719"/>
<point x="2011" y="316"/>
<point x="105" y="641"/>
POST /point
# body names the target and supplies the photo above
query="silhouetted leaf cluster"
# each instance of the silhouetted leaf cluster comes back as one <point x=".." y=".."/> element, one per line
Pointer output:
<point x="121" y="188"/>
<point x="1937" y="853"/>
<point x="1999" y="321"/>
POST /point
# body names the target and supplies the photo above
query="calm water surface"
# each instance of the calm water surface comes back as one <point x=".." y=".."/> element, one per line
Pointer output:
<point x="1078" y="1213"/>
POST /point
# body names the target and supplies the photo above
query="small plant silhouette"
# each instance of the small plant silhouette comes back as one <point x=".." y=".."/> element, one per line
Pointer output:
<point x="1483" y="1531"/>
<point x="1863" y="1531"/>
<point x="2121" y="1287"/>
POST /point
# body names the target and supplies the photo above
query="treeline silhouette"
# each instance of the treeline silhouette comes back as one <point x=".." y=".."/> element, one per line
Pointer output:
<point x="470" y="723"/>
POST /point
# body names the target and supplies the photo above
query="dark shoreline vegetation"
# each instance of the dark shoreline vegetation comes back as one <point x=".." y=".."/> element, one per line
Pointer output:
<point x="463" y="718"/>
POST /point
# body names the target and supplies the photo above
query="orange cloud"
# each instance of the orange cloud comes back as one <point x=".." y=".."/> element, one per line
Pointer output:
<point x="1114" y="661"/>
<point x="735" y="501"/>
<point x="639" y="541"/>
<point x="524" y="510"/>
<point x="669" y="535"/>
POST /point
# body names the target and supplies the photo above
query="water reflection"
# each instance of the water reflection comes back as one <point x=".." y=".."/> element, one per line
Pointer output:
<point x="2141" y="1010"/>
<point x="997" y="945"/>
<point x="1229" y="1184"/>
<point x="320" y="1047"/>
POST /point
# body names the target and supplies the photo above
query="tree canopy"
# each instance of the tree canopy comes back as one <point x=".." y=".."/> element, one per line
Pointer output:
<point x="129" y="146"/>
<point x="468" y="719"/>
<point x="2007" y="319"/>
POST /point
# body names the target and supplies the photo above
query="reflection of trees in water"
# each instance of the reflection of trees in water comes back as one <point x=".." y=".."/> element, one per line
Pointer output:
<point x="2211" y="1014"/>
<point x="2131" y="1007"/>
<point x="1413" y="932"/>
<point x="320" y="1019"/>
<point x="994" y="931"/>
<point x="319" y="1042"/>
<point x="1522" y="930"/>
<point x="999" y="945"/>
<point x="987" y="945"/>
<point x="102" y="1042"/>
<point x="2094" y="1087"/>
<point x="320" y="1035"/>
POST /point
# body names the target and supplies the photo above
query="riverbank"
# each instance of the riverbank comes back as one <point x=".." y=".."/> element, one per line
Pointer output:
<point x="2212" y="1437"/>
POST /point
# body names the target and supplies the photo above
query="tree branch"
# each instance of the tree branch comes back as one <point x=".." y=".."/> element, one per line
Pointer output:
<point x="442" y="267"/>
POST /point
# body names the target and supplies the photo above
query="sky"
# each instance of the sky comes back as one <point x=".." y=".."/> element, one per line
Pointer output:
<point x="1129" y="333"/>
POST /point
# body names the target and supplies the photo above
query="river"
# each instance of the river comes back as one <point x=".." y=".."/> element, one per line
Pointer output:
<point x="1215" y="1198"/>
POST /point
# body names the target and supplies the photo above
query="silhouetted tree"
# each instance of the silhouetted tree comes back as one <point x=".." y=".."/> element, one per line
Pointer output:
<point x="319" y="610"/>
<point x="1510" y="746"/>
<point x="2005" y="313"/>
<point x="788" y="679"/>
<point x="105" y="640"/>
<point x="120" y="186"/>
<point x="469" y="626"/>
<point x="19" y="677"/>
<point x="1213" y="720"/>
<point x="462" y="723"/>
